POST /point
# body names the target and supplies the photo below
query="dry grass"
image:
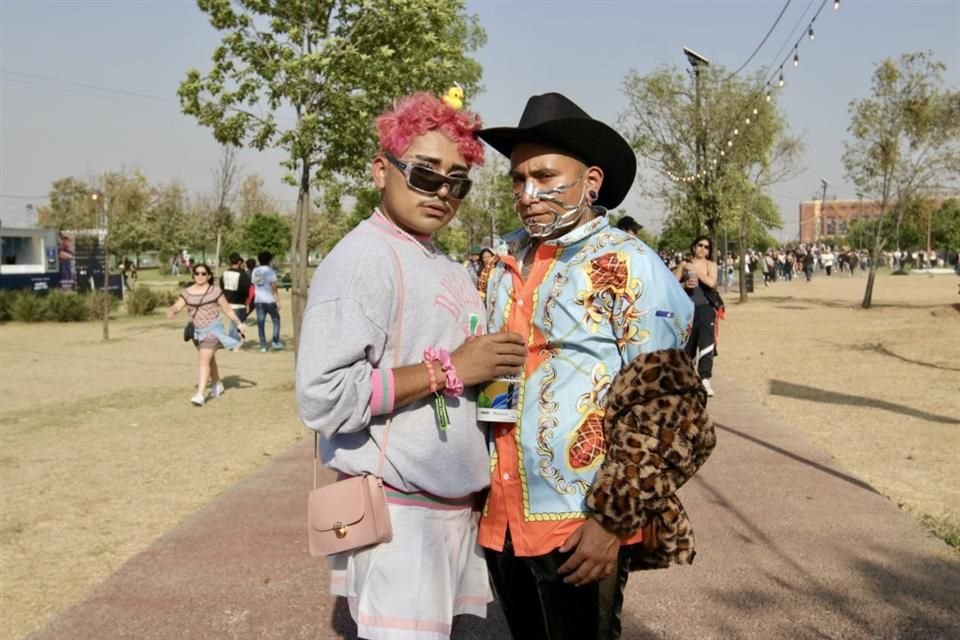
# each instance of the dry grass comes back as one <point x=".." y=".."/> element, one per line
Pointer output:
<point x="101" y="452"/>
<point x="879" y="389"/>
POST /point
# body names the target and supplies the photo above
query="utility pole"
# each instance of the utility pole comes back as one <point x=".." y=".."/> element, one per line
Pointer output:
<point x="823" y="208"/>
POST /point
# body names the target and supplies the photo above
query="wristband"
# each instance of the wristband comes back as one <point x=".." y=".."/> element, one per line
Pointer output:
<point x="453" y="385"/>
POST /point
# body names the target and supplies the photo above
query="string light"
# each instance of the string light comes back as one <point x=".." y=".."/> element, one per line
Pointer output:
<point x="768" y="91"/>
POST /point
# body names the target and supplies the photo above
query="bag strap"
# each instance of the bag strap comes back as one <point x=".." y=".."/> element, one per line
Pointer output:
<point x="398" y="327"/>
<point x="196" y="307"/>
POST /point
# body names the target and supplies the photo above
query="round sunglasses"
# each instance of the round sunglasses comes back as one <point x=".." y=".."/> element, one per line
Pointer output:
<point x="424" y="180"/>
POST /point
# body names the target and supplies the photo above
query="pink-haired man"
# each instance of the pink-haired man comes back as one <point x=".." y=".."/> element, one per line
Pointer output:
<point x="356" y="369"/>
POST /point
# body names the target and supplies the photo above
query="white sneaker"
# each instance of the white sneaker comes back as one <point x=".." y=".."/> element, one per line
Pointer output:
<point x="216" y="390"/>
<point x="706" y="385"/>
<point x="198" y="399"/>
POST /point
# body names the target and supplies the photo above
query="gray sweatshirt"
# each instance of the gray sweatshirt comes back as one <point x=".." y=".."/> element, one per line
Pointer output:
<point x="349" y="330"/>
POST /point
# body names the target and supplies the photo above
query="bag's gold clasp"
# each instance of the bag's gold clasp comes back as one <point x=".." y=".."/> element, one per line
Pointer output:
<point x="339" y="530"/>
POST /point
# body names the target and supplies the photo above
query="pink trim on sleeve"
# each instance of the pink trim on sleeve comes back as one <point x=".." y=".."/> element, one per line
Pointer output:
<point x="383" y="396"/>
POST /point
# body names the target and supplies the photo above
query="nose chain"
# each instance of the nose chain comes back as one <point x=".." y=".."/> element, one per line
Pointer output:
<point x="427" y="251"/>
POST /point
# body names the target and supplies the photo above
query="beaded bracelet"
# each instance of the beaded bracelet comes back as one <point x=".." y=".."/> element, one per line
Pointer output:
<point x="431" y="373"/>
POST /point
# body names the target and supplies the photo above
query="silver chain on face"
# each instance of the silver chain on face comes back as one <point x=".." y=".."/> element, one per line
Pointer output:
<point x="564" y="215"/>
<point x="427" y="251"/>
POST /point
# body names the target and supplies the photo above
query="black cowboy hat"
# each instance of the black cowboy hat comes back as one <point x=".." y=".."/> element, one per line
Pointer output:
<point x="554" y="120"/>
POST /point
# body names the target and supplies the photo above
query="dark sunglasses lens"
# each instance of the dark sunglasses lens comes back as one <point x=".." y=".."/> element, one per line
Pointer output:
<point x="430" y="181"/>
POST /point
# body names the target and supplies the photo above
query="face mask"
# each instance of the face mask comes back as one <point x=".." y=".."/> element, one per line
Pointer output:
<point x="564" y="215"/>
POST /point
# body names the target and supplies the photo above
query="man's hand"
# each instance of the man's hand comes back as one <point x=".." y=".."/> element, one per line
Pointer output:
<point x="483" y="358"/>
<point x="595" y="557"/>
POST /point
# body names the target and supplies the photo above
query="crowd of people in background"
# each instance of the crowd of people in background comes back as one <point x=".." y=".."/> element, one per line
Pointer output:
<point x="801" y="262"/>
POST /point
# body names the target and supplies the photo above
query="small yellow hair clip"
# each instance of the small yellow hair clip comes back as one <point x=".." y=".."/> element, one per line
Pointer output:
<point x="454" y="97"/>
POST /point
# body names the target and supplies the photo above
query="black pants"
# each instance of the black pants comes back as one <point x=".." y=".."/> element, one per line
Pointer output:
<point x="538" y="605"/>
<point x="702" y="340"/>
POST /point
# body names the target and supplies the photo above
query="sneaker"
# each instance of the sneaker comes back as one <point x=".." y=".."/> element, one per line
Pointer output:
<point x="216" y="390"/>
<point x="263" y="349"/>
<point x="198" y="399"/>
<point x="276" y="345"/>
<point x="706" y="385"/>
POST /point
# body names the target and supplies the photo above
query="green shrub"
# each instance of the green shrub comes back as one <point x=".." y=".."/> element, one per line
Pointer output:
<point x="29" y="307"/>
<point x="66" y="306"/>
<point x="6" y="301"/>
<point x="166" y="297"/>
<point x="141" y="301"/>
<point x="94" y="303"/>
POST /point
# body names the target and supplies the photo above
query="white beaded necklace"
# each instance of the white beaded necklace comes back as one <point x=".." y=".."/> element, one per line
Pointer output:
<point x="427" y="251"/>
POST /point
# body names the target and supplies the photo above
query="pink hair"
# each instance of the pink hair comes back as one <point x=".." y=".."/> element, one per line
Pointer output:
<point x="419" y="113"/>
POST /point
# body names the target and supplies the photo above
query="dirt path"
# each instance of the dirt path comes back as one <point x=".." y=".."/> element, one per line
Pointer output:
<point x="101" y="452"/>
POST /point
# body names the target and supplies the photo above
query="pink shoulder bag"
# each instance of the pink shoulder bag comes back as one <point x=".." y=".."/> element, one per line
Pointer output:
<point x="353" y="513"/>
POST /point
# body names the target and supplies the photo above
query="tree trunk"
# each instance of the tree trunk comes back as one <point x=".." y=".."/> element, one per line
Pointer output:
<point x="742" y="266"/>
<point x="298" y="252"/>
<point x="874" y="261"/>
<point x="216" y="263"/>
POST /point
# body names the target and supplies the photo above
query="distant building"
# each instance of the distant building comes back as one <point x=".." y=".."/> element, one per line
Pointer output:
<point x="819" y="219"/>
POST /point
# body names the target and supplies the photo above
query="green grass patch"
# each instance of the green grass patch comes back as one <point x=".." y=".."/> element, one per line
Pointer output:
<point x="946" y="529"/>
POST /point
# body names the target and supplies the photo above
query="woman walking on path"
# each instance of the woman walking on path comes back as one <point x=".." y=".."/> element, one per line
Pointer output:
<point x="204" y="302"/>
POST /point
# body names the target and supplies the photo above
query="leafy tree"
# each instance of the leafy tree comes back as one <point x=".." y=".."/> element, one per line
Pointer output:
<point x="905" y="140"/>
<point x="201" y="232"/>
<point x="705" y="154"/>
<point x="168" y="212"/>
<point x="126" y="198"/>
<point x="333" y="65"/>
<point x="252" y="198"/>
<point x="946" y="226"/>
<point x="487" y="211"/>
<point x="267" y="232"/>
<point x="226" y="175"/>
<point x="70" y="206"/>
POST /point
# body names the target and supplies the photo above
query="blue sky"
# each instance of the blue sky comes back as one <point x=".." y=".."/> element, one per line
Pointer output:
<point x="51" y="125"/>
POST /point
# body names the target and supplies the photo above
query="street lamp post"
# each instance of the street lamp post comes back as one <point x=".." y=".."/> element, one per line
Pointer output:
<point x="697" y="61"/>
<point x="104" y="220"/>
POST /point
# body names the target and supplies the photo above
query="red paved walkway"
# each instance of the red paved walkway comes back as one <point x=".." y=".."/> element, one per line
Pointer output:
<point x="790" y="546"/>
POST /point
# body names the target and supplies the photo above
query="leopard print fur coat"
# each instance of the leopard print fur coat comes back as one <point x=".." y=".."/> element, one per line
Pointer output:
<point x="658" y="434"/>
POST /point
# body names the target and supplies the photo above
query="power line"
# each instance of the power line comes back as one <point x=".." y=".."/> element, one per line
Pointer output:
<point x="83" y="85"/>
<point x="17" y="197"/>
<point x="762" y="42"/>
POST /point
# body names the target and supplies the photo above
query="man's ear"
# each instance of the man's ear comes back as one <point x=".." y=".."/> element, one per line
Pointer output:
<point x="379" y="170"/>
<point x="594" y="180"/>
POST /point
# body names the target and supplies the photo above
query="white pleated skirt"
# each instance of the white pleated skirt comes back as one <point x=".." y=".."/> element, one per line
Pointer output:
<point x="411" y="587"/>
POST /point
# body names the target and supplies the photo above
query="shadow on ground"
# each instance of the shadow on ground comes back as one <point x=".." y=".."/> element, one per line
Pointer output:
<point x="878" y="348"/>
<point x="813" y="394"/>
<point x="789" y="454"/>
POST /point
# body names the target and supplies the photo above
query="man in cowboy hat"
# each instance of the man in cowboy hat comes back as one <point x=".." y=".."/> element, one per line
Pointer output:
<point x="590" y="298"/>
